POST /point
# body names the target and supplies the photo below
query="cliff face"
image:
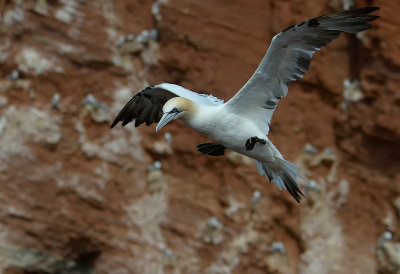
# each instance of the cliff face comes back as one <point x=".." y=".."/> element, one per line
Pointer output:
<point x="78" y="198"/>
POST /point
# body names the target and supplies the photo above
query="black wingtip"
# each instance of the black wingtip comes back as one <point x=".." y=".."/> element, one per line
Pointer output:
<point x="144" y="107"/>
<point x="114" y="123"/>
<point x="126" y="121"/>
<point x="362" y="11"/>
<point x="367" y="10"/>
<point x="357" y="12"/>
<point x="373" y="17"/>
<point x="117" y="120"/>
<point x="371" y="9"/>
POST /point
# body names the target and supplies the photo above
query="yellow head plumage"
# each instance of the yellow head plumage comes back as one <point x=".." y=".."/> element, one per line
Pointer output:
<point x="175" y="108"/>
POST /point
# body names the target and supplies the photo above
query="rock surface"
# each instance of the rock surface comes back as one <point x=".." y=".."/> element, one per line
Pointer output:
<point x="78" y="198"/>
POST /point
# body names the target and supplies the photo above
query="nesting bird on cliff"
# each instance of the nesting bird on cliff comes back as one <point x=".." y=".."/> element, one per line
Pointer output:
<point x="242" y="123"/>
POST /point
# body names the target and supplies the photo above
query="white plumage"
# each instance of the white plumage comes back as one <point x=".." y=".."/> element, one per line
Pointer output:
<point x="242" y="123"/>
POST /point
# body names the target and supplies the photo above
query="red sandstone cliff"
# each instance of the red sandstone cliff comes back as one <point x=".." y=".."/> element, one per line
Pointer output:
<point x="78" y="198"/>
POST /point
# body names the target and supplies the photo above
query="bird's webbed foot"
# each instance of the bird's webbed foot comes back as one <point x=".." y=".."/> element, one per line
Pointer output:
<point x="251" y="142"/>
<point x="211" y="149"/>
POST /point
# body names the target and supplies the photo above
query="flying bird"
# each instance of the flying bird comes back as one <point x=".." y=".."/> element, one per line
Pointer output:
<point x="242" y="123"/>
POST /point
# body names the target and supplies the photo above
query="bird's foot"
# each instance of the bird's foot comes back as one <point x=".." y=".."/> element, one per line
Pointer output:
<point x="251" y="142"/>
<point x="211" y="149"/>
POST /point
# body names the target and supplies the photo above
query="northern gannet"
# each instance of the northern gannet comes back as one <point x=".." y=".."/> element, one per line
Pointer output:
<point x="242" y="123"/>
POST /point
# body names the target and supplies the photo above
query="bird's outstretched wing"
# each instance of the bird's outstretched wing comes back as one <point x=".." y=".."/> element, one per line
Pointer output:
<point x="288" y="59"/>
<point x="146" y="106"/>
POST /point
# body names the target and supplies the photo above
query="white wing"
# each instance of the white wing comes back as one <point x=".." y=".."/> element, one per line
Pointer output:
<point x="204" y="99"/>
<point x="288" y="59"/>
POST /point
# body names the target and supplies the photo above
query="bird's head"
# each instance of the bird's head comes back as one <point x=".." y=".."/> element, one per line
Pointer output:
<point x="174" y="109"/>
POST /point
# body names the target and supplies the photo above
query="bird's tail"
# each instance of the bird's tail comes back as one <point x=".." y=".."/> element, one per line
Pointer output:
<point x="283" y="174"/>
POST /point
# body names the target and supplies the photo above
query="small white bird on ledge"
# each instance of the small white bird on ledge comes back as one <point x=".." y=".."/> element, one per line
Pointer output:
<point x="242" y="123"/>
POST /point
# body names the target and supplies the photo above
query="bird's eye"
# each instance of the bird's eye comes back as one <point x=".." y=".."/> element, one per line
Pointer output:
<point x="174" y="110"/>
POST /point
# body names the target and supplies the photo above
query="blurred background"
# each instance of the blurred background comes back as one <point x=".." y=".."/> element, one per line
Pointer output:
<point x="78" y="198"/>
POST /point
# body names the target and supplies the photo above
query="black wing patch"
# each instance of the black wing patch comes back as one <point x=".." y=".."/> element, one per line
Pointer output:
<point x="211" y="149"/>
<point x="146" y="107"/>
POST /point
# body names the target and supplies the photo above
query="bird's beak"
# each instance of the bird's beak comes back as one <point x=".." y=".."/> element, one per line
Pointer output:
<point x="165" y="119"/>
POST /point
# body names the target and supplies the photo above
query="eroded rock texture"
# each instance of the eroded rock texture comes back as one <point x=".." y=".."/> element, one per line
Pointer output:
<point x="78" y="198"/>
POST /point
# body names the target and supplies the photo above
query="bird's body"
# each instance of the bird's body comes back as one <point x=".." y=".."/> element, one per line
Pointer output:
<point x="242" y="123"/>
<point x="229" y="129"/>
